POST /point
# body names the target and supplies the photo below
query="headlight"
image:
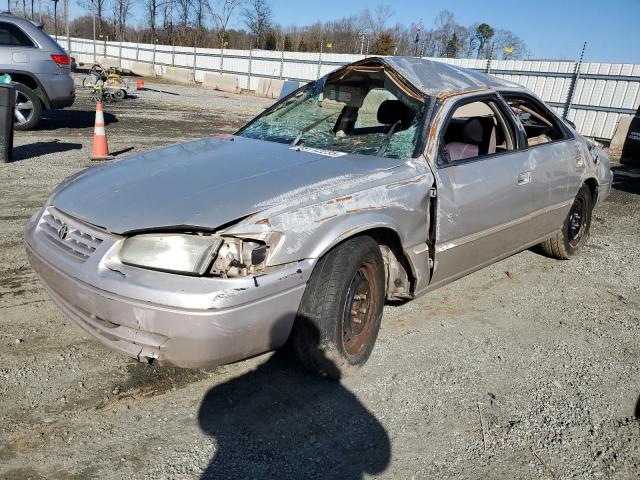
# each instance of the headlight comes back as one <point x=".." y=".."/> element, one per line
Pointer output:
<point x="239" y="257"/>
<point x="178" y="253"/>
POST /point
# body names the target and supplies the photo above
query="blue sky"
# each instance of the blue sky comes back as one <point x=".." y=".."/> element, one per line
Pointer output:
<point x="552" y="29"/>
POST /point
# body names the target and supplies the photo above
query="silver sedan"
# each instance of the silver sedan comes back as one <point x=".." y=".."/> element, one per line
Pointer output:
<point x="383" y="180"/>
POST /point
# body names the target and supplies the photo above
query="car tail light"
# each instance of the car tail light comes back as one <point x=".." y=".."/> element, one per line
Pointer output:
<point x="61" y="59"/>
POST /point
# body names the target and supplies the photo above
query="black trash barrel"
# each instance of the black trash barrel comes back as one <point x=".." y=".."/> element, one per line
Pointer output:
<point x="7" y="105"/>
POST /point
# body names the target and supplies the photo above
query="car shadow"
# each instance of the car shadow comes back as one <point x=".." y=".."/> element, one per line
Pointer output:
<point x="57" y="119"/>
<point x="637" y="410"/>
<point x="626" y="178"/>
<point x="37" y="149"/>
<point x="278" y="421"/>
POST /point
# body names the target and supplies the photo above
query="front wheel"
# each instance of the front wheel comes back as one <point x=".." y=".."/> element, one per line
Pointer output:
<point x="574" y="231"/>
<point x="341" y="309"/>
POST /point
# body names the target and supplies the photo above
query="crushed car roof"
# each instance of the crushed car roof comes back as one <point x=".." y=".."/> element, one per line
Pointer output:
<point x="434" y="78"/>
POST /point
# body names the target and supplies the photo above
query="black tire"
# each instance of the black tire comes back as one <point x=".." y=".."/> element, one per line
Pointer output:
<point x="341" y="309"/>
<point x="28" y="108"/>
<point x="121" y="94"/>
<point x="574" y="232"/>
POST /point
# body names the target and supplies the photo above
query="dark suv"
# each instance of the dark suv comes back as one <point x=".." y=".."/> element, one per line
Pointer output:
<point x="40" y="68"/>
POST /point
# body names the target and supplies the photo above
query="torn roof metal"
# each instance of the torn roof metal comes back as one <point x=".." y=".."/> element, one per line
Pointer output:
<point x="434" y="78"/>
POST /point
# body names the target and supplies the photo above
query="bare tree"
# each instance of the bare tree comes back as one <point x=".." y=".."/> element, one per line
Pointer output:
<point x="376" y="22"/>
<point x="469" y="40"/>
<point x="508" y="45"/>
<point x="153" y="8"/>
<point x="184" y="11"/>
<point x="198" y="11"/>
<point x="97" y="7"/>
<point x="343" y="35"/>
<point x="445" y="25"/>
<point x="121" y="10"/>
<point x="167" y="17"/>
<point x="221" y="17"/>
<point x="257" y="17"/>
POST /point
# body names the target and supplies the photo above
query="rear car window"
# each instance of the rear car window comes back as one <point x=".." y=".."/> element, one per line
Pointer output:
<point x="12" y="35"/>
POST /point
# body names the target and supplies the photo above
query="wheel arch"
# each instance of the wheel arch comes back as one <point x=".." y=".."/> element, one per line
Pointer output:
<point x="29" y="80"/>
<point x="593" y="185"/>
<point x="386" y="236"/>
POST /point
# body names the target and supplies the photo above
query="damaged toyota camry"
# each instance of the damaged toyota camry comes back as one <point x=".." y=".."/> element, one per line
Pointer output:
<point x="383" y="180"/>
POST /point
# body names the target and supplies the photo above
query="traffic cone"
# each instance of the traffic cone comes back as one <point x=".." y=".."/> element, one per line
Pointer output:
<point x="139" y="84"/>
<point x="100" y="150"/>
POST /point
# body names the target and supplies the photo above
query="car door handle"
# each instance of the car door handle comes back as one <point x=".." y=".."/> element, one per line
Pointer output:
<point x="524" y="178"/>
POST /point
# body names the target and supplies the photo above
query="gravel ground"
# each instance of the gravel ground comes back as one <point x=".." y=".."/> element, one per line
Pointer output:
<point x="527" y="369"/>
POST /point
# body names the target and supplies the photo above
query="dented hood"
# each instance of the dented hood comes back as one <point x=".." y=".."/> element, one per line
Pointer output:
<point x="206" y="183"/>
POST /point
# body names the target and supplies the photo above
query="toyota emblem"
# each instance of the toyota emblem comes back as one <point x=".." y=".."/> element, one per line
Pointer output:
<point x="63" y="231"/>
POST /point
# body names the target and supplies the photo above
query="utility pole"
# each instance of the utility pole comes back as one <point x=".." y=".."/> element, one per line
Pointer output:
<point x="55" y="17"/>
<point x="66" y="25"/>
<point x="94" y="38"/>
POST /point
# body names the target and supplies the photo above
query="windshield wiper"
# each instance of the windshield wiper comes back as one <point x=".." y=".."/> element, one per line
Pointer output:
<point x="309" y="127"/>
<point x="387" y="138"/>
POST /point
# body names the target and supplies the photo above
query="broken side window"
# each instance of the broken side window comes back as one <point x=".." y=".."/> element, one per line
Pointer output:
<point x="539" y="126"/>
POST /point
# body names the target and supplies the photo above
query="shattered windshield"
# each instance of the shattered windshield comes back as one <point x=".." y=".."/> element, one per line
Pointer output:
<point x="350" y="117"/>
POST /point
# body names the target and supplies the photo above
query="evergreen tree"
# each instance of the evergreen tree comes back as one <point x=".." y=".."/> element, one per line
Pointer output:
<point x="383" y="45"/>
<point x="288" y="47"/>
<point x="453" y="46"/>
<point x="270" y="42"/>
<point x="484" y="33"/>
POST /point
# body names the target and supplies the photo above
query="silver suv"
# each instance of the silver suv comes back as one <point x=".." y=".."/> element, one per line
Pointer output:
<point x="40" y="68"/>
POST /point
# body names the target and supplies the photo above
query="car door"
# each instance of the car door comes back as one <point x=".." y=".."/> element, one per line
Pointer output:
<point x="558" y="161"/>
<point x="484" y="196"/>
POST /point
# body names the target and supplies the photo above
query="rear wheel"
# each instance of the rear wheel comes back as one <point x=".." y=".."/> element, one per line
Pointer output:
<point x="574" y="231"/>
<point x="28" y="109"/>
<point x="340" y="313"/>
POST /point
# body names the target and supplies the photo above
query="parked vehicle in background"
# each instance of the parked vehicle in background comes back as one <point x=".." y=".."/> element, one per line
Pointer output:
<point x="383" y="180"/>
<point x="39" y="67"/>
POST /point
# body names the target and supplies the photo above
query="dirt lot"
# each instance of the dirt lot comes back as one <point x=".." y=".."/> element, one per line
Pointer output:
<point x="527" y="369"/>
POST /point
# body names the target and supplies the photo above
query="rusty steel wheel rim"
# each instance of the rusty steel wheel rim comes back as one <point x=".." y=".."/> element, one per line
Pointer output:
<point x="577" y="221"/>
<point x="360" y="310"/>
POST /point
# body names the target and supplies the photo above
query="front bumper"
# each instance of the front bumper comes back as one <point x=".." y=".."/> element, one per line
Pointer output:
<point x="244" y="318"/>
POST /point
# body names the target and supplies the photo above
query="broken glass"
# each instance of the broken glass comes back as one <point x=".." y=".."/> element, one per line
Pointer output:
<point x="320" y="109"/>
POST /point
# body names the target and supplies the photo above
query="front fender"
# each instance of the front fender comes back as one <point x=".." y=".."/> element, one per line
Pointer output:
<point x="310" y="231"/>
